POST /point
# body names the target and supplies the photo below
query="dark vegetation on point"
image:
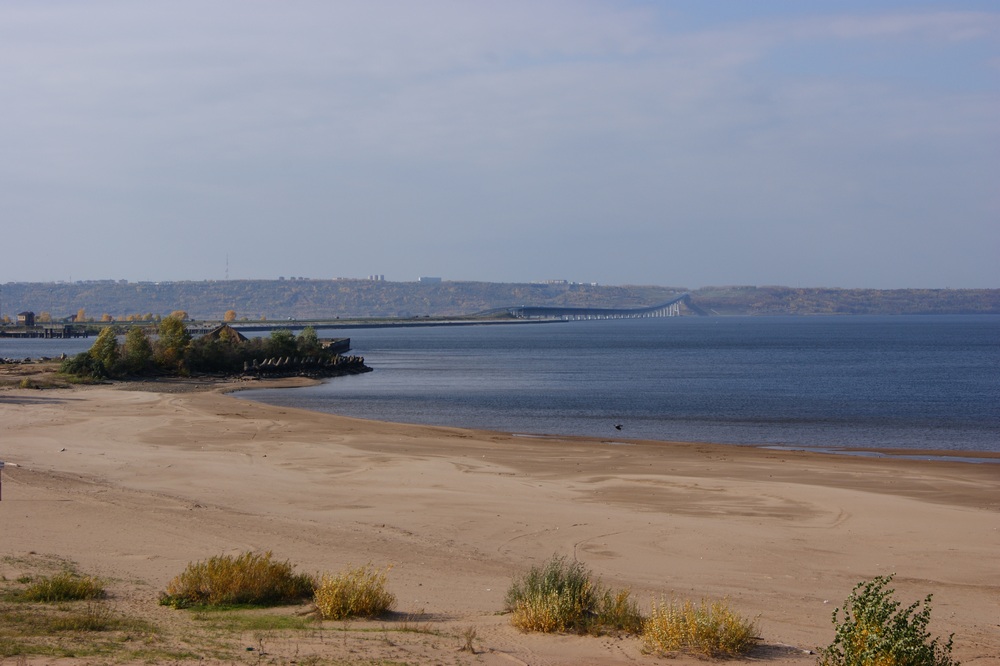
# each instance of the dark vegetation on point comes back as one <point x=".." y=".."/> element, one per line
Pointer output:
<point x="174" y="352"/>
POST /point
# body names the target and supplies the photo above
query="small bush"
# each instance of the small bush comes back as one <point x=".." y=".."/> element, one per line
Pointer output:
<point x="249" y="578"/>
<point x="618" y="610"/>
<point x="356" y="592"/>
<point x="876" y="632"/>
<point x="65" y="586"/>
<point x="85" y="366"/>
<point x="707" y="629"/>
<point x="560" y="596"/>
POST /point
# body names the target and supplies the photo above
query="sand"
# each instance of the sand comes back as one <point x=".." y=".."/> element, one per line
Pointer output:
<point x="132" y="485"/>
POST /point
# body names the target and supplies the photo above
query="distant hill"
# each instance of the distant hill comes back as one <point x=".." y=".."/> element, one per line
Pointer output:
<point x="813" y="301"/>
<point x="329" y="299"/>
<point x="310" y="299"/>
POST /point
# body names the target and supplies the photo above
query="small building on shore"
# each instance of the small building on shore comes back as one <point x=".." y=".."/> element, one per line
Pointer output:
<point x="25" y="318"/>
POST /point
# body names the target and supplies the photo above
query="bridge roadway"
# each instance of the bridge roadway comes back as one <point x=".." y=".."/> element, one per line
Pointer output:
<point x="671" y="308"/>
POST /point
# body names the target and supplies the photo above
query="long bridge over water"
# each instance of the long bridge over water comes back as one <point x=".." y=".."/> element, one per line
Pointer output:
<point x="671" y="308"/>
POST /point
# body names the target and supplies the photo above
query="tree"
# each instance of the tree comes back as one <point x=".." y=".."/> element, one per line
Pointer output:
<point x="180" y="314"/>
<point x="44" y="318"/>
<point x="308" y="343"/>
<point x="172" y="343"/>
<point x="281" y="343"/>
<point x="229" y="316"/>
<point x="104" y="352"/>
<point x="81" y="315"/>
<point x="207" y="354"/>
<point x="137" y="352"/>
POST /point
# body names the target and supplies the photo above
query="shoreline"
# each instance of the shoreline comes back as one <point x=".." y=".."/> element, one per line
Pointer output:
<point x="967" y="456"/>
<point x="134" y="483"/>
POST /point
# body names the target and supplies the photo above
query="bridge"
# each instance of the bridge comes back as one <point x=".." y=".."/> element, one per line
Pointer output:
<point x="671" y="308"/>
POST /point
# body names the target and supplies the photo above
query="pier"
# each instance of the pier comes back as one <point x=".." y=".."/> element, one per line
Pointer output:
<point x="53" y="331"/>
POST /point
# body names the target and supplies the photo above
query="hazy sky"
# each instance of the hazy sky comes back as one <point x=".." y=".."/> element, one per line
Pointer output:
<point x="803" y="143"/>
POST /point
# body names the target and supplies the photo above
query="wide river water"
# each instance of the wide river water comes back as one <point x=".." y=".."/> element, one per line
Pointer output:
<point x="828" y="383"/>
<point x="801" y="382"/>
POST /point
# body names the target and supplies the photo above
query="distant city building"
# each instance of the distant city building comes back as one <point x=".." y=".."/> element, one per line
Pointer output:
<point x="566" y="282"/>
<point x="377" y="278"/>
<point x="429" y="280"/>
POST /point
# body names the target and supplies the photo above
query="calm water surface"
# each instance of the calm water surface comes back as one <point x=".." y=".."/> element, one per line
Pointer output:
<point x="18" y="348"/>
<point x="831" y="382"/>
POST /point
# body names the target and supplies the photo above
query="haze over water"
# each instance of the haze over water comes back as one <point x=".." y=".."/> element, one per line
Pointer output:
<point x="811" y="382"/>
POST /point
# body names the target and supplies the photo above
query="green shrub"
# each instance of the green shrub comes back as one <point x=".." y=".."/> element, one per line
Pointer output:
<point x="65" y="586"/>
<point x="876" y="632"/>
<point x="249" y="578"/>
<point x="85" y="366"/>
<point x="561" y="596"/>
<point x="709" y="629"/>
<point x="356" y="592"/>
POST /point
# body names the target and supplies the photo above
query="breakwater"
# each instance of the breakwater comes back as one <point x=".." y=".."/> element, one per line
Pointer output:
<point x="309" y="366"/>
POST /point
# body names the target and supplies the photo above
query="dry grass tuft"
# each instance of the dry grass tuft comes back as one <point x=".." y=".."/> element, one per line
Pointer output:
<point x="561" y="596"/>
<point x="469" y="636"/>
<point x="246" y="579"/>
<point x="356" y="592"/>
<point x="709" y="629"/>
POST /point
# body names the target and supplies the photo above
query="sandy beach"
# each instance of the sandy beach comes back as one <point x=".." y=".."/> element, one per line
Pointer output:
<point x="132" y="485"/>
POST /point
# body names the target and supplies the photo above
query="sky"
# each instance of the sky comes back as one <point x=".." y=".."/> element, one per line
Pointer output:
<point x="689" y="143"/>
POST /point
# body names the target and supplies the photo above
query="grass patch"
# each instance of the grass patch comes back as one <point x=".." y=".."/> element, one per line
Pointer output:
<point x="68" y="629"/>
<point x="709" y="629"/>
<point x="233" y="622"/>
<point x="359" y="592"/>
<point x="63" y="586"/>
<point x="561" y="596"/>
<point x="876" y="631"/>
<point x="246" y="579"/>
<point x="93" y="617"/>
